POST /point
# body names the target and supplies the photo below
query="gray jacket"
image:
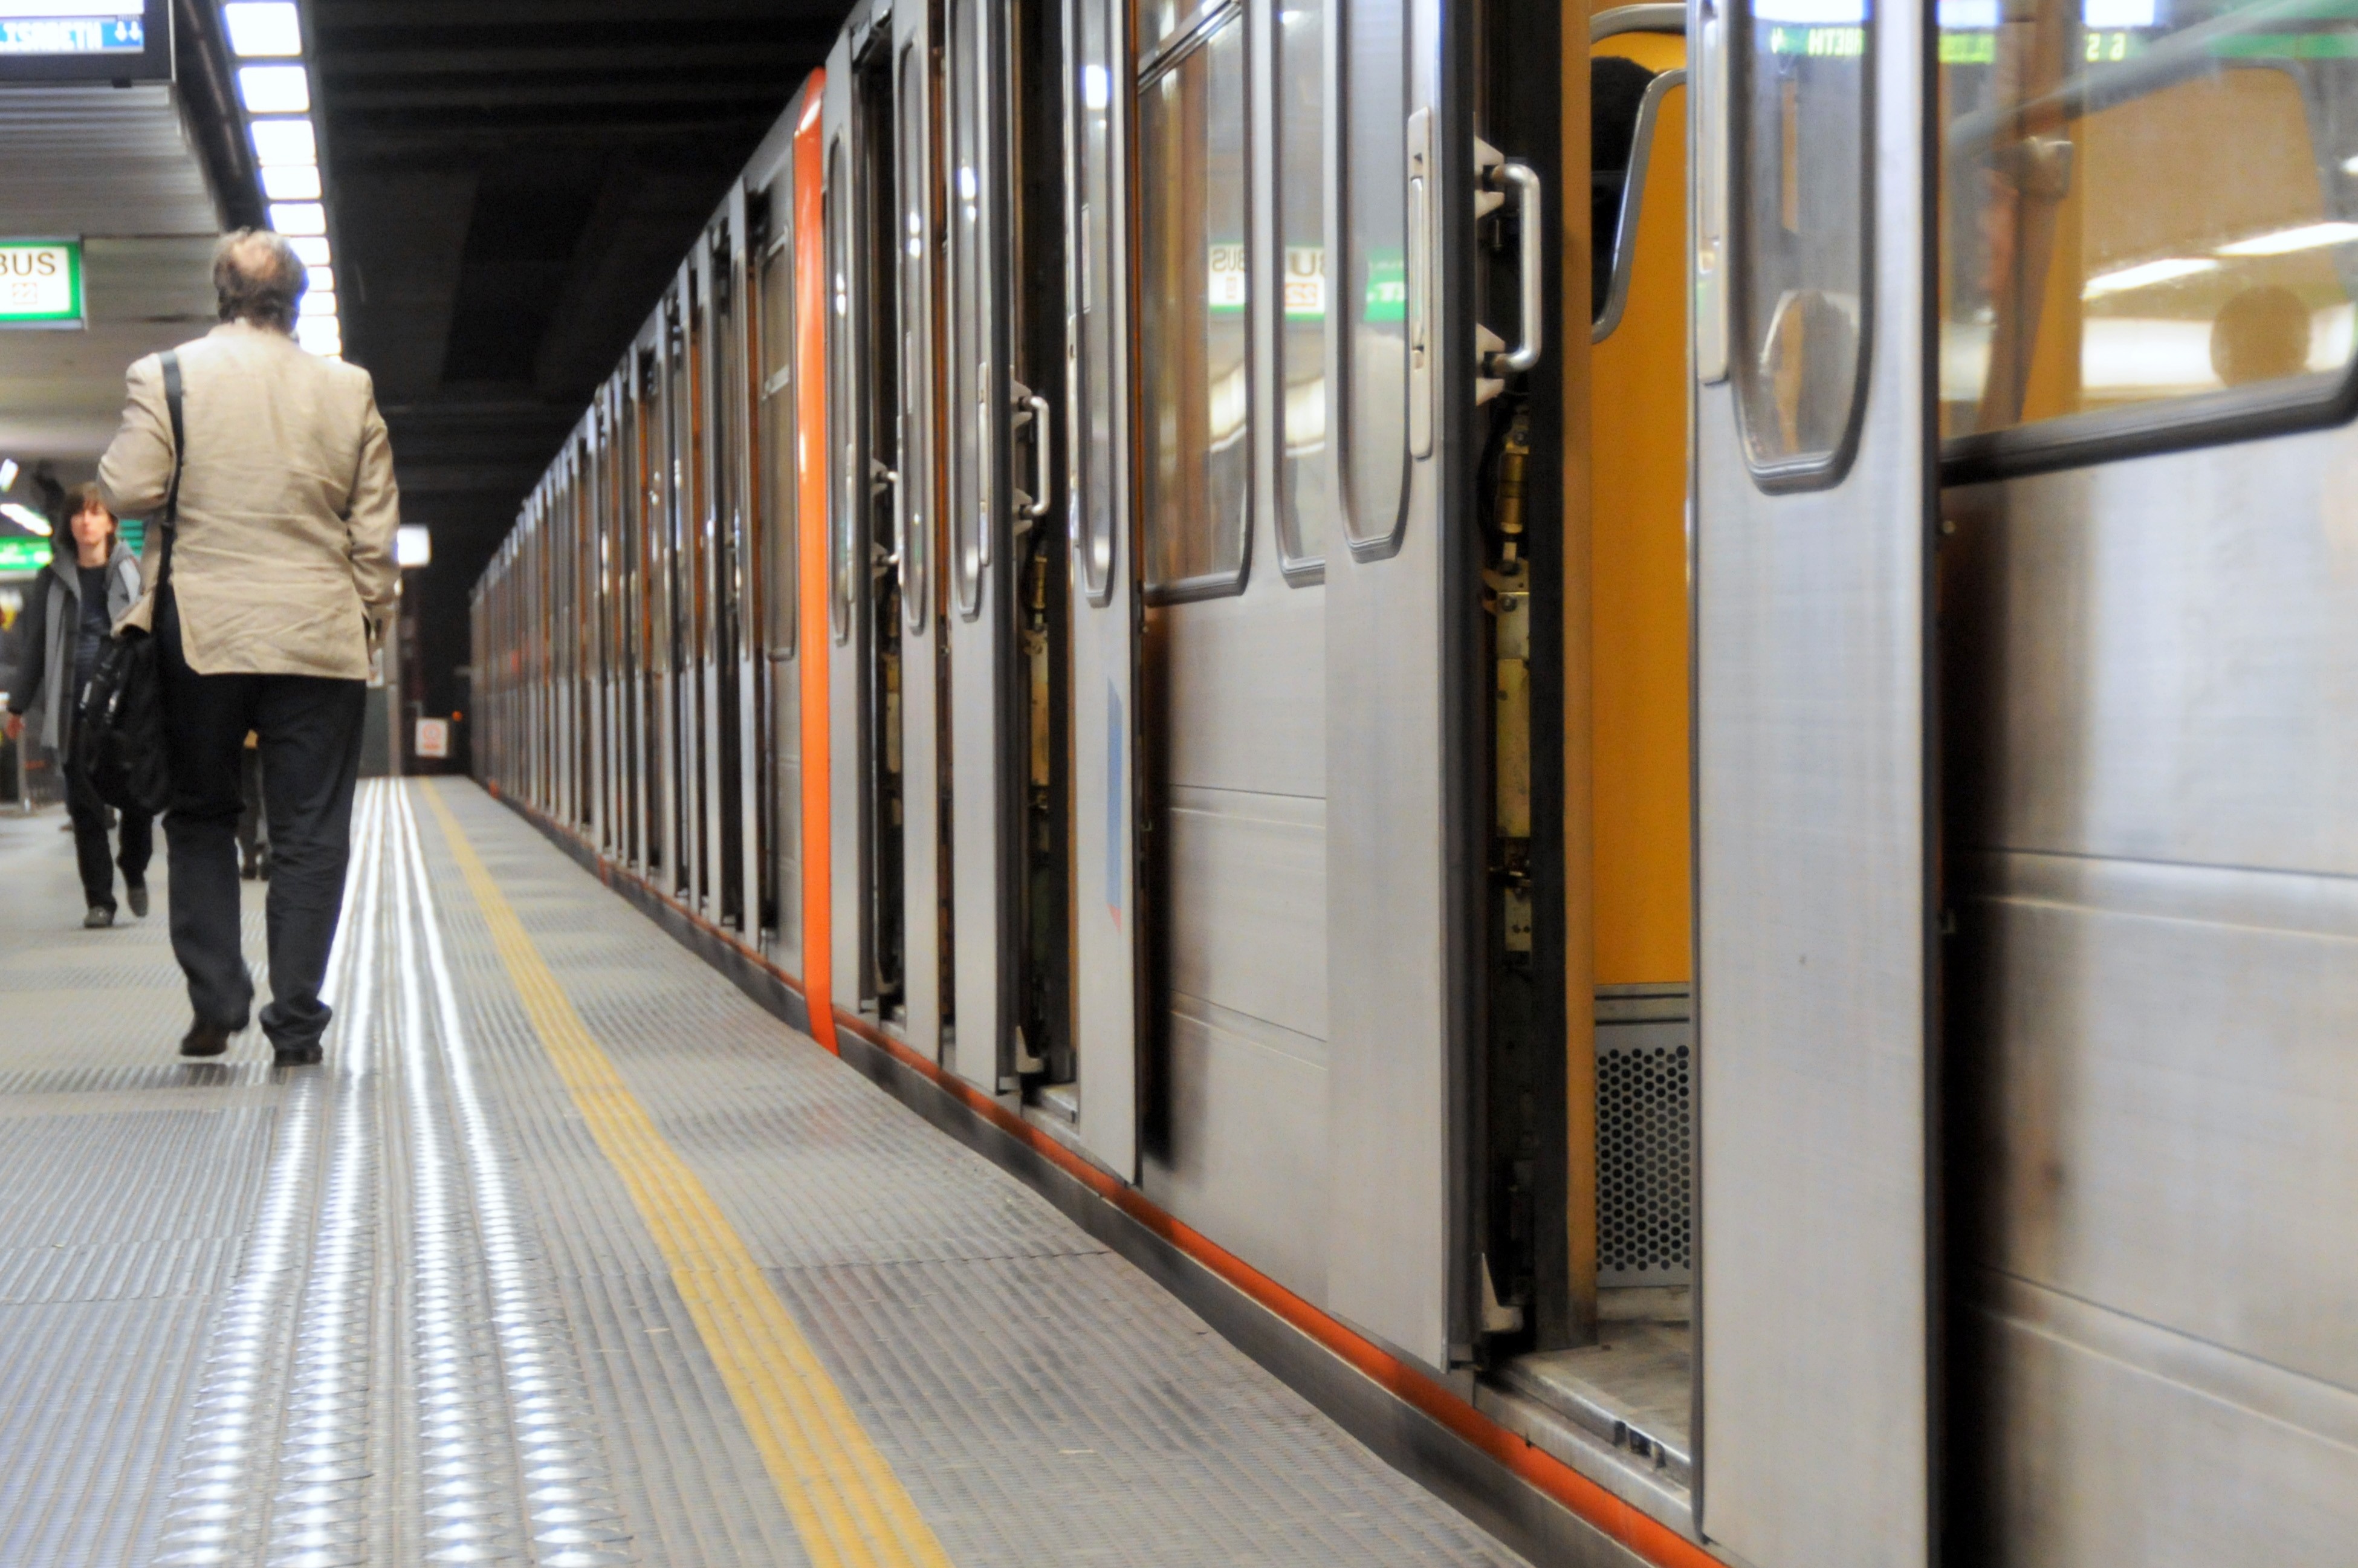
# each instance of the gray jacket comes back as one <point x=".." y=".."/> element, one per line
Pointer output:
<point x="45" y="638"/>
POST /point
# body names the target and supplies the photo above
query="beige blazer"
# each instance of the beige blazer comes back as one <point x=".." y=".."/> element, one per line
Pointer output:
<point x="284" y="561"/>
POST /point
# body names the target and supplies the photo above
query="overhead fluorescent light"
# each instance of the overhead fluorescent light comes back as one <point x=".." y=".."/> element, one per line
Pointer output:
<point x="2145" y="275"/>
<point x="2099" y="15"/>
<point x="321" y="334"/>
<point x="270" y="29"/>
<point x="319" y="303"/>
<point x="299" y="217"/>
<point x="2306" y="237"/>
<point x="323" y="279"/>
<point x="8" y="471"/>
<point x="285" y="141"/>
<point x="291" y="182"/>
<point x="312" y="249"/>
<point x="413" y="546"/>
<point x="25" y="517"/>
<point x="275" y="89"/>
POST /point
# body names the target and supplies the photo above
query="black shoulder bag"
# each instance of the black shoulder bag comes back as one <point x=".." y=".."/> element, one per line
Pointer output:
<point x="118" y="739"/>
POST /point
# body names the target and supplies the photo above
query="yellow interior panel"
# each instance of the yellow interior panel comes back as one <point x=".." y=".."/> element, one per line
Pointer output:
<point x="1639" y="575"/>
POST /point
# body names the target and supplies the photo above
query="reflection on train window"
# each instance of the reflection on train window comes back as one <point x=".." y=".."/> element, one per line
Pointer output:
<point x="1094" y="424"/>
<point x="970" y="424"/>
<point x="1194" y="386"/>
<point x="1801" y="121"/>
<point x="842" y="404"/>
<point x="777" y="442"/>
<point x="1374" y="276"/>
<point x="916" y="365"/>
<point x="2144" y="200"/>
<point x="1301" y="280"/>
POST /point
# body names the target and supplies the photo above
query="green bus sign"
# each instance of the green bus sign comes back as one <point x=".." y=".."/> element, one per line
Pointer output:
<point x="40" y="283"/>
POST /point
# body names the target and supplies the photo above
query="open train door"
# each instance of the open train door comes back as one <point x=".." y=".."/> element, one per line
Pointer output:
<point x="1812" y="507"/>
<point x="1107" y="625"/>
<point x="978" y="620"/>
<point x="1408" y="177"/>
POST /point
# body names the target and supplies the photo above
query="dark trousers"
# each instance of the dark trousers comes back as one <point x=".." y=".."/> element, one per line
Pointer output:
<point x="310" y="733"/>
<point x="88" y="814"/>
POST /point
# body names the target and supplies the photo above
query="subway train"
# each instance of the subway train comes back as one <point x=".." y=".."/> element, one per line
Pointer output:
<point x="1714" y="816"/>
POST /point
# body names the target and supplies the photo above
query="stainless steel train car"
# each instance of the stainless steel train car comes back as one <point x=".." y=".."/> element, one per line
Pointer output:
<point x="1698" y="826"/>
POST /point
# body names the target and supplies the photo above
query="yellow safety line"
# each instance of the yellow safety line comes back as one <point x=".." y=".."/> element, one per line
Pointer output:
<point x="851" y="1511"/>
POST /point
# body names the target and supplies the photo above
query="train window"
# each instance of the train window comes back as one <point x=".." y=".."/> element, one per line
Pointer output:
<point x="776" y="311"/>
<point x="1301" y="283"/>
<point x="969" y="428"/>
<point x="1799" y="118"/>
<point x="1195" y="392"/>
<point x="2144" y="201"/>
<point x="1375" y="288"/>
<point x="917" y="363"/>
<point x="842" y="403"/>
<point x="1095" y="324"/>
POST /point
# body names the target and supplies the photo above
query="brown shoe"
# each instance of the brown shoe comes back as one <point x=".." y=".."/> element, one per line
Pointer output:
<point x="204" y="1040"/>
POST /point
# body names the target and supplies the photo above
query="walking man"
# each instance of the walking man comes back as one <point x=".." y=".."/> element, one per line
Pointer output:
<point x="281" y="585"/>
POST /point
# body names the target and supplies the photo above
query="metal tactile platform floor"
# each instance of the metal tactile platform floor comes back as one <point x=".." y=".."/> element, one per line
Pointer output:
<point x="426" y="1304"/>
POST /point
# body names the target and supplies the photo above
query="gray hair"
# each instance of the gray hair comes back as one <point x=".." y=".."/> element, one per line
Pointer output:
<point x="258" y="277"/>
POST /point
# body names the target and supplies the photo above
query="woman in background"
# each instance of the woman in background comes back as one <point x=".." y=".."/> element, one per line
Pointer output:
<point x="90" y="583"/>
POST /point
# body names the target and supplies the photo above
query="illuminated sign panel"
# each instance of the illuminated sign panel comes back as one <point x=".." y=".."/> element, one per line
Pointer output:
<point x="52" y="40"/>
<point x="40" y="283"/>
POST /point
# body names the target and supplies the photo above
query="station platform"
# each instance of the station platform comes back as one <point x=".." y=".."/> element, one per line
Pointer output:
<point x="571" y="1254"/>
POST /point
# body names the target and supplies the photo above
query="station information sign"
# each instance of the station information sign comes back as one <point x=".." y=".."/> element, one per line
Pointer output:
<point x="40" y="283"/>
<point x="50" y="40"/>
<point x="23" y="558"/>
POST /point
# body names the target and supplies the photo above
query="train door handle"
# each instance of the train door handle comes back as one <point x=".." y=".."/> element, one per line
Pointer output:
<point x="1496" y="177"/>
<point x="1032" y="411"/>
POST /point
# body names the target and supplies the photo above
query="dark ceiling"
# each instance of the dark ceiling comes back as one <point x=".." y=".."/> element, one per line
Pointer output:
<point x="513" y="181"/>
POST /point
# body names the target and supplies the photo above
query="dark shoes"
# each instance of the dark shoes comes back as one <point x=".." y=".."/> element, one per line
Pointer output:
<point x="135" y="893"/>
<point x="100" y="917"/>
<point x="295" y="1055"/>
<point x="205" y="1040"/>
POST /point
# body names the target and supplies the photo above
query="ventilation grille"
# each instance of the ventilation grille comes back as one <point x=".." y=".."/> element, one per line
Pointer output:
<point x="1645" y="1199"/>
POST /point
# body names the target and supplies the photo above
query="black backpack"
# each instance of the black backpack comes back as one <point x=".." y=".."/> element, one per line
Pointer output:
<point x="118" y="736"/>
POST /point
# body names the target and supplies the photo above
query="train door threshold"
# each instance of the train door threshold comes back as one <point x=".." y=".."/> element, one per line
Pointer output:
<point x="1619" y="1410"/>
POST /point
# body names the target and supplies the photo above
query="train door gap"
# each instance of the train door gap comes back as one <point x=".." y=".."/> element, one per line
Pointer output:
<point x="876" y="252"/>
<point x="1040" y="760"/>
<point x="1598" y="1333"/>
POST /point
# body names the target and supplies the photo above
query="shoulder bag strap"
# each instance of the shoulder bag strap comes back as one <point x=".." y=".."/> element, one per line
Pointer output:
<point x="171" y="362"/>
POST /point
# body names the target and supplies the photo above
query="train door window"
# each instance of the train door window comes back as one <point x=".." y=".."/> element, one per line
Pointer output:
<point x="2145" y="203"/>
<point x="1799" y="118"/>
<point x="1375" y="229"/>
<point x="680" y="557"/>
<point x="1301" y="129"/>
<point x="1194" y="371"/>
<point x="654" y="598"/>
<point x="1092" y="427"/>
<point x="843" y="418"/>
<point x="777" y="475"/>
<point x="724" y="448"/>
<point x="917" y="433"/>
<point x="969" y="346"/>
